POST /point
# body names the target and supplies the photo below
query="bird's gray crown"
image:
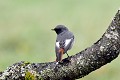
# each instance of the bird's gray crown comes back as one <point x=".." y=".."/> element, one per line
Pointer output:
<point x="60" y="28"/>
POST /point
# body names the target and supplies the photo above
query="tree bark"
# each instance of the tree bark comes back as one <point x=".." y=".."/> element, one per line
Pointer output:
<point x="81" y="64"/>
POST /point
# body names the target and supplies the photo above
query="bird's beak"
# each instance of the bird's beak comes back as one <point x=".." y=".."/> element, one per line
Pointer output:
<point x="52" y="29"/>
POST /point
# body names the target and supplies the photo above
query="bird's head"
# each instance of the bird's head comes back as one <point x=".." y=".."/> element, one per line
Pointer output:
<point x="60" y="28"/>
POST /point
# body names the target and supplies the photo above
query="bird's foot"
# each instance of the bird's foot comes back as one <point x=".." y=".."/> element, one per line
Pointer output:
<point x="67" y="60"/>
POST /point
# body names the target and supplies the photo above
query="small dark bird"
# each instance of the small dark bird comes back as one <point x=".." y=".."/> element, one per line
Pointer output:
<point x="64" y="41"/>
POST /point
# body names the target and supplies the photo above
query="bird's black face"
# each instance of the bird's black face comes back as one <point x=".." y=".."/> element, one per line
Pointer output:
<point x="60" y="28"/>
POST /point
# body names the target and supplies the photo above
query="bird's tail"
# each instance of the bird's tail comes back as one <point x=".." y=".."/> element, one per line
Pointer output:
<point x="60" y="54"/>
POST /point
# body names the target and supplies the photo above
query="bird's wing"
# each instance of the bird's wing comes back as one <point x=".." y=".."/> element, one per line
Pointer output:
<point x="60" y="44"/>
<point x="69" y="43"/>
<point x="65" y="44"/>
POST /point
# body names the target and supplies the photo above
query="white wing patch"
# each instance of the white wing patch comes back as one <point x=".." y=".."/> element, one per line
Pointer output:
<point x="57" y="44"/>
<point x="67" y="41"/>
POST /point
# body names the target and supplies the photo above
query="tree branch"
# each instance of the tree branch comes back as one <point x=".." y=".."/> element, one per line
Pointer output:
<point x="81" y="64"/>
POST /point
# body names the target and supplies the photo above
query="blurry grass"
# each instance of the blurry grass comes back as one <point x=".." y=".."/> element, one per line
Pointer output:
<point x="25" y="30"/>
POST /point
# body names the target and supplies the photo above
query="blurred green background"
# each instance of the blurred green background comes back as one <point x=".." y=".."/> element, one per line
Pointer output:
<point x="25" y="30"/>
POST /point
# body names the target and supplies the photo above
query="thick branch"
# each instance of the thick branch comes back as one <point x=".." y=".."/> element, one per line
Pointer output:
<point x="100" y="53"/>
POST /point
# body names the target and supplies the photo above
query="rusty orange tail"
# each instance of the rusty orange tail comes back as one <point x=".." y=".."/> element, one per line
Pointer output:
<point x="60" y="54"/>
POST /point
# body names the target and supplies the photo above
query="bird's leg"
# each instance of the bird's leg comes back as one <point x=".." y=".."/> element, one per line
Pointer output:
<point x="67" y="54"/>
<point x="67" y="59"/>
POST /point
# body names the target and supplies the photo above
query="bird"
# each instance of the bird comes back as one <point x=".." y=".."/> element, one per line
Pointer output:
<point x="64" y="41"/>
